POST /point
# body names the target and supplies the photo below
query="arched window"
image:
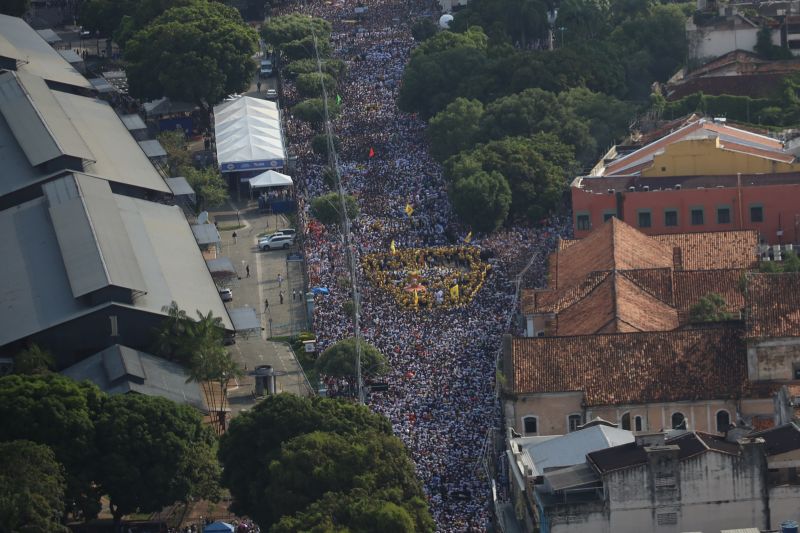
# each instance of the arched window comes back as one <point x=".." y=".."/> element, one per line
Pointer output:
<point x="530" y="425"/>
<point x="678" y="420"/>
<point x="625" y="421"/>
<point x="637" y="423"/>
<point x="573" y="421"/>
<point x="723" y="421"/>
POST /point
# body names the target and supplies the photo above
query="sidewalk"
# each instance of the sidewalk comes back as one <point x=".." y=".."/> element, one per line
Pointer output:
<point x="276" y="320"/>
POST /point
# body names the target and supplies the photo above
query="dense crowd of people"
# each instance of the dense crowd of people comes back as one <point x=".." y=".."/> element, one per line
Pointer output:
<point x="441" y="397"/>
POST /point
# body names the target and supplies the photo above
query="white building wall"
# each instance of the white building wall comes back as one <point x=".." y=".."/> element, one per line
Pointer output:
<point x="783" y="504"/>
<point x="715" y="491"/>
<point x="706" y="44"/>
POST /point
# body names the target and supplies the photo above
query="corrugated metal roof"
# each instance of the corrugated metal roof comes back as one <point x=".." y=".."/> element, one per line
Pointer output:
<point x="119" y="157"/>
<point x="70" y="56"/>
<point x="244" y="319"/>
<point x="571" y="477"/>
<point x="153" y="148"/>
<point x="101" y="85"/>
<point x="20" y="42"/>
<point x="180" y="187"/>
<point x="49" y="35"/>
<point x="39" y="123"/>
<point x="571" y="449"/>
<point x="91" y="235"/>
<point x="120" y="369"/>
<point x="133" y="122"/>
<point x="220" y="265"/>
<point x="35" y="291"/>
<point x="205" y="234"/>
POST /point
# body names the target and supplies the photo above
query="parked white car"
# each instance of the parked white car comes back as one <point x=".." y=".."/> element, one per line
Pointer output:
<point x="276" y="242"/>
<point x="226" y="295"/>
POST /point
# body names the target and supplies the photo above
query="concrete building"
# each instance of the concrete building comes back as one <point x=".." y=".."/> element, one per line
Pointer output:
<point x="679" y="481"/>
<point x="705" y="176"/>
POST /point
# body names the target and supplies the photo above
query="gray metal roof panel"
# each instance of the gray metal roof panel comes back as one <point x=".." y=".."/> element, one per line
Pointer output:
<point x="133" y="122"/>
<point x="220" y="265"/>
<point x="244" y="318"/>
<point x="35" y="292"/>
<point x="571" y="477"/>
<point x="180" y="187"/>
<point x="118" y="155"/>
<point x="21" y="42"/>
<point x="70" y="56"/>
<point x="161" y="377"/>
<point x="93" y="240"/>
<point x="40" y="125"/>
<point x="205" y="234"/>
<point x="153" y="148"/>
<point x="49" y="36"/>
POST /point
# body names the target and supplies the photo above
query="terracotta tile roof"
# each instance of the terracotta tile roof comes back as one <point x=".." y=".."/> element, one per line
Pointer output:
<point x="552" y="301"/>
<point x="634" y="368"/>
<point x="656" y="281"/>
<point x="692" y="285"/>
<point x="714" y="250"/>
<point x="613" y="246"/>
<point x="527" y="301"/>
<point x="773" y="305"/>
<point x="616" y="305"/>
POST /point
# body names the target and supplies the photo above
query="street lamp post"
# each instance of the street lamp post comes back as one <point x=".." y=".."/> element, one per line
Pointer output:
<point x="551" y="22"/>
<point x="562" y="28"/>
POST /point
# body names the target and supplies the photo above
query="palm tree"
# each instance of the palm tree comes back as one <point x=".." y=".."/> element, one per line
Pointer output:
<point x="173" y="338"/>
<point x="212" y="366"/>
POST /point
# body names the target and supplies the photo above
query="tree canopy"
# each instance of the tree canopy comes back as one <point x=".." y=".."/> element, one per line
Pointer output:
<point x="710" y="308"/>
<point x="152" y="453"/>
<point x="481" y="199"/>
<point x="31" y="488"/>
<point x="58" y="412"/>
<point x="328" y="208"/>
<point x="535" y="168"/>
<point x="33" y="360"/>
<point x="197" y="53"/>
<point x="340" y="359"/>
<point x="313" y="110"/>
<point x="15" y="8"/>
<point x="293" y="35"/>
<point x="304" y="457"/>
<point x="455" y="128"/>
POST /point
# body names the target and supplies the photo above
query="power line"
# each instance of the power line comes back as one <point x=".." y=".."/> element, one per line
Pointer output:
<point x="350" y="255"/>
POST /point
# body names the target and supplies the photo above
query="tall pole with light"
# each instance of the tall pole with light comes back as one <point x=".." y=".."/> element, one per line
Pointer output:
<point x="552" y="15"/>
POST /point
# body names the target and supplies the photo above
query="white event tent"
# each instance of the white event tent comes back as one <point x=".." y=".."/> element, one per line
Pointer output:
<point x="248" y="135"/>
<point x="270" y="178"/>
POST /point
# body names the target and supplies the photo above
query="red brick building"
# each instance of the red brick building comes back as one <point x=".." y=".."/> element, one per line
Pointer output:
<point x="703" y="177"/>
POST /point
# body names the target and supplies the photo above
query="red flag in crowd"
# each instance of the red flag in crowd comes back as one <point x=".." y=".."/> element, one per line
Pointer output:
<point x="371" y="152"/>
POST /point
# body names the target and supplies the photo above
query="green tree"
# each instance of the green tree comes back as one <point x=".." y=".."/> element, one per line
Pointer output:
<point x="58" y="412"/>
<point x="535" y="168"/>
<point x="34" y="360"/>
<point x="473" y="38"/>
<point x="293" y="35"/>
<point x="423" y="28"/>
<point x="178" y="157"/>
<point x="482" y="200"/>
<point x="790" y="263"/>
<point x="319" y="144"/>
<point x="153" y="452"/>
<point x="533" y="111"/>
<point x="313" y="110"/>
<point x="766" y="49"/>
<point x="339" y="360"/>
<point x="198" y="53"/>
<point x="15" y="8"/>
<point x="355" y="511"/>
<point x="584" y="19"/>
<point x="710" y="308"/>
<point x="174" y="336"/>
<point x="311" y="465"/>
<point x="328" y="208"/>
<point x="513" y="21"/>
<point x="334" y="67"/>
<point x="209" y="186"/>
<point x="455" y="128"/>
<point x="256" y="441"/>
<point x="31" y="488"/>
<point x="608" y="118"/>
<point x="212" y="366"/>
<point x="311" y="84"/>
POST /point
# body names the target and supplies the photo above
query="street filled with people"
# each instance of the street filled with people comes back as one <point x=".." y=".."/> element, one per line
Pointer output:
<point x="442" y="348"/>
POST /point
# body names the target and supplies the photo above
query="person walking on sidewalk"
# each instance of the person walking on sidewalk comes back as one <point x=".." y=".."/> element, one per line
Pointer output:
<point x="281" y="296"/>
<point x="234" y="237"/>
<point x="247" y="269"/>
<point x="280" y="281"/>
<point x="294" y="294"/>
<point x="266" y="304"/>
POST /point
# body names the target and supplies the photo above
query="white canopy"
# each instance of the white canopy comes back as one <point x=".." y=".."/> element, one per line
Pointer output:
<point x="270" y="178"/>
<point x="248" y="135"/>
